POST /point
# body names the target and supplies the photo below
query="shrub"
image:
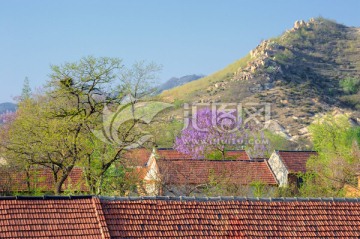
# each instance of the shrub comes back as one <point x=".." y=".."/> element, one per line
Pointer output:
<point x="350" y="85"/>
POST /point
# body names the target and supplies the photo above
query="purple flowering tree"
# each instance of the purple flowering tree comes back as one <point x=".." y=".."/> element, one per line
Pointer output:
<point x="207" y="134"/>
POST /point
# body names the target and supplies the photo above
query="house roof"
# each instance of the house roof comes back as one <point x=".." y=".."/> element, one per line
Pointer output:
<point x="137" y="157"/>
<point x="170" y="217"/>
<point x="15" y="180"/>
<point x="170" y="153"/>
<point x="52" y="217"/>
<point x="295" y="161"/>
<point x="237" y="154"/>
<point x="197" y="172"/>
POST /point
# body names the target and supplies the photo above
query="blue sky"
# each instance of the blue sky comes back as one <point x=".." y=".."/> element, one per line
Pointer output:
<point x="185" y="36"/>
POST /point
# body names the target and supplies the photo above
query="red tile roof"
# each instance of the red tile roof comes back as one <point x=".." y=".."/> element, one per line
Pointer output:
<point x="295" y="161"/>
<point x="15" y="180"/>
<point x="197" y="172"/>
<point x="137" y="157"/>
<point x="238" y="154"/>
<point x="174" y="154"/>
<point x="231" y="219"/>
<point x="171" y="154"/>
<point x="167" y="217"/>
<point x="52" y="218"/>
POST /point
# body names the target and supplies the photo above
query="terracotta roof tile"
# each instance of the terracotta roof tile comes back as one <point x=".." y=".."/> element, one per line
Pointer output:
<point x="137" y="157"/>
<point x="295" y="161"/>
<point x="56" y="218"/>
<point x="171" y="154"/>
<point x="238" y="154"/>
<point x="207" y="218"/>
<point x="191" y="171"/>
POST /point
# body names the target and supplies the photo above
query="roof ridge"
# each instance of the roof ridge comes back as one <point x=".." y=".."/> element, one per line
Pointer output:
<point x="99" y="212"/>
<point x="229" y="150"/>
<point x="230" y="198"/>
<point x="45" y="197"/>
<point x="214" y="160"/>
<point x="184" y="198"/>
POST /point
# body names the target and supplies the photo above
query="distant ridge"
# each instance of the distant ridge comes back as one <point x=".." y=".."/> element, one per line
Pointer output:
<point x="174" y="82"/>
<point x="7" y="107"/>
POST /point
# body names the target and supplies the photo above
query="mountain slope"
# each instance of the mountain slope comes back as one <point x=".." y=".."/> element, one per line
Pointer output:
<point x="174" y="82"/>
<point x="301" y="73"/>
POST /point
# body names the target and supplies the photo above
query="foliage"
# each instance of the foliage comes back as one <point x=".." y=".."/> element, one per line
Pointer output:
<point x="119" y="181"/>
<point x="271" y="69"/>
<point x="284" y="56"/>
<point x="350" y="85"/>
<point x="352" y="100"/>
<point x="337" y="144"/>
<point x="164" y="137"/>
<point x="26" y="91"/>
<point x="277" y="142"/>
<point x="178" y="103"/>
<point x="259" y="188"/>
<point x="55" y="128"/>
<point x="314" y="185"/>
<point x="222" y="185"/>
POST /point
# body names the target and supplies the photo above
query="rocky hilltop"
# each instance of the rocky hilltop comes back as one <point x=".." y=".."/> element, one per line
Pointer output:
<point x="302" y="73"/>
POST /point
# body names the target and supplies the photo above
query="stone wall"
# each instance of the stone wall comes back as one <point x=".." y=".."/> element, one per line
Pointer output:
<point x="279" y="169"/>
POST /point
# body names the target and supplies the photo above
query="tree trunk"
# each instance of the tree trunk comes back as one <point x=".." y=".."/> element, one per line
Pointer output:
<point x="58" y="185"/>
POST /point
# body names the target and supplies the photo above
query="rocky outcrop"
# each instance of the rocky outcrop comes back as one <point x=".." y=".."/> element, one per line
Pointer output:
<point x="263" y="65"/>
<point x="299" y="24"/>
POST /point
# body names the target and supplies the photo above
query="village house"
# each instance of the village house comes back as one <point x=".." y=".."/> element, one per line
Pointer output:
<point x="178" y="217"/>
<point x="169" y="172"/>
<point x="286" y="165"/>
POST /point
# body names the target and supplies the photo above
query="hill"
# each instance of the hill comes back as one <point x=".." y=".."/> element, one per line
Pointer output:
<point x="309" y="70"/>
<point x="174" y="82"/>
<point x="7" y="107"/>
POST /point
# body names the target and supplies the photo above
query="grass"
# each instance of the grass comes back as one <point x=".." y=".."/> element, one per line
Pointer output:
<point x="186" y="91"/>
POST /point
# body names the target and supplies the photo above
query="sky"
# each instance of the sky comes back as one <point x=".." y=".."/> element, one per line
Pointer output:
<point x="184" y="36"/>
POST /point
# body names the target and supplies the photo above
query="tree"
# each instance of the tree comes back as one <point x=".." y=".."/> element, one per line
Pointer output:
<point x="35" y="139"/>
<point x="26" y="91"/>
<point x="204" y="137"/>
<point x="58" y="129"/>
<point x="338" y="161"/>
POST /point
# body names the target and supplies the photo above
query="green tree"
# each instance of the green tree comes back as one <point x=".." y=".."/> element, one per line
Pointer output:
<point x="26" y="90"/>
<point x="56" y="129"/>
<point x="337" y="144"/>
<point x="36" y="139"/>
